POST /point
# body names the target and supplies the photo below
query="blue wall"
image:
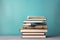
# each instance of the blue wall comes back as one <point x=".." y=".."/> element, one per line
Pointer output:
<point x="14" y="12"/>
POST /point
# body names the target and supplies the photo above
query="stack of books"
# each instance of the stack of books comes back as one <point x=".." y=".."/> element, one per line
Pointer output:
<point x="34" y="27"/>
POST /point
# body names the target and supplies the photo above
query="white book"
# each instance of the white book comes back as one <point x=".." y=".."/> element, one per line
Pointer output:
<point x="36" y="17"/>
<point x="26" y="24"/>
<point x="33" y="30"/>
<point x="30" y="17"/>
<point x="35" y="21"/>
<point x="33" y="33"/>
<point x="33" y="36"/>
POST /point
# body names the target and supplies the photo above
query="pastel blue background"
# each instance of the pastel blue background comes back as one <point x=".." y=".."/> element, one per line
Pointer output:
<point x="14" y="12"/>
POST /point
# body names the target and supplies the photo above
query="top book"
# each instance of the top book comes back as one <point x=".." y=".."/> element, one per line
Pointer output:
<point x="36" y="18"/>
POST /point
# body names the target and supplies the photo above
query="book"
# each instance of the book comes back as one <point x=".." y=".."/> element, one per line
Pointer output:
<point x="33" y="36"/>
<point x="34" y="21"/>
<point x="33" y="30"/>
<point x="34" y="33"/>
<point x="38" y="24"/>
<point x="27" y="24"/>
<point x="35" y="27"/>
<point x="36" y="17"/>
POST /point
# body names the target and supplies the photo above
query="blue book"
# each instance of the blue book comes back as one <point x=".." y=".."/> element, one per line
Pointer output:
<point x="35" y="24"/>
